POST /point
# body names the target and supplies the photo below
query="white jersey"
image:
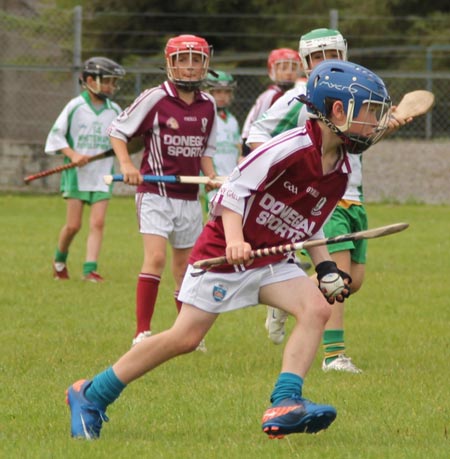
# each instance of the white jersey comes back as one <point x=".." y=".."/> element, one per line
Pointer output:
<point x="83" y="127"/>
<point x="228" y="140"/>
<point x="261" y="105"/>
<point x="287" y="113"/>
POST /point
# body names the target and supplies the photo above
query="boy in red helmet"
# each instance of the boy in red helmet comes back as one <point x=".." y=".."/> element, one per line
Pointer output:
<point x="283" y="68"/>
<point x="178" y="124"/>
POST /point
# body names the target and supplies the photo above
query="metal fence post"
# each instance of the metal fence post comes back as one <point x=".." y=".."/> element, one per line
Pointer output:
<point x="77" y="28"/>
<point x="334" y="19"/>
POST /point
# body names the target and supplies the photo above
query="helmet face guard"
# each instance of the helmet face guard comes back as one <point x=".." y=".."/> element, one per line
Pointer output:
<point x="321" y="40"/>
<point x="287" y="62"/>
<point x="221" y="81"/>
<point x="363" y="95"/>
<point x="182" y="54"/>
<point x="103" y="71"/>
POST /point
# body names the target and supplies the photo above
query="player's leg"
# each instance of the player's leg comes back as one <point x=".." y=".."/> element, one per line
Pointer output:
<point x="95" y="237"/>
<point x="276" y="318"/>
<point x="74" y="217"/>
<point x="155" y="218"/>
<point x="188" y="223"/>
<point x="290" y="412"/>
<point x="180" y="259"/>
<point x="149" y="278"/>
<point x="88" y="400"/>
<point x="349" y="257"/>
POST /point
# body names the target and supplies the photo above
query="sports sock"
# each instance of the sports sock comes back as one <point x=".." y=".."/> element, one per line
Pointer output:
<point x="105" y="388"/>
<point x="88" y="267"/>
<point x="333" y="344"/>
<point x="60" y="257"/>
<point x="178" y="303"/>
<point x="287" y="385"/>
<point x="146" y="293"/>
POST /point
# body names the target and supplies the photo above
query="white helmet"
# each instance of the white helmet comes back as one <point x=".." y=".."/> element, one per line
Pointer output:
<point x="321" y="40"/>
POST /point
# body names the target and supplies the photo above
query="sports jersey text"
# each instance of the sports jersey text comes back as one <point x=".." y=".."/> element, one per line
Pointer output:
<point x="184" y="145"/>
<point x="283" y="220"/>
<point x="93" y="141"/>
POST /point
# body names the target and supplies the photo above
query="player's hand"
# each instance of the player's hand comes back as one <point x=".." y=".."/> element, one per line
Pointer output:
<point x="238" y="253"/>
<point x="212" y="184"/>
<point x="131" y="174"/>
<point x="79" y="159"/>
<point x="396" y="122"/>
<point x="330" y="267"/>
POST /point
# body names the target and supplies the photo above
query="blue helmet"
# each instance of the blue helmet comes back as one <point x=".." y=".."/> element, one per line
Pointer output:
<point x="354" y="85"/>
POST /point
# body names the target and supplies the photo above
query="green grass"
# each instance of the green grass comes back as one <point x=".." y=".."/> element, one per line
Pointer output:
<point x="210" y="405"/>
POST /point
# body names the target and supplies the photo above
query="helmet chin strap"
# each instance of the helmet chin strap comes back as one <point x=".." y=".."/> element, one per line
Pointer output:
<point x="96" y="91"/>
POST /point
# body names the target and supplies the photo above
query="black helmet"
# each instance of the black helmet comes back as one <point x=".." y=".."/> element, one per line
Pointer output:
<point x="99" y="68"/>
<point x="102" y="67"/>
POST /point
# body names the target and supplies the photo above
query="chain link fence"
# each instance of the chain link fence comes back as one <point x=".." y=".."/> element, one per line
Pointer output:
<point x="40" y="60"/>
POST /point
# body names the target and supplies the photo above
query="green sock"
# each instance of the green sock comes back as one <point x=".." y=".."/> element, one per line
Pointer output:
<point x="333" y="344"/>
<point x="60" y="257"/>
<point x="89" y="266"/>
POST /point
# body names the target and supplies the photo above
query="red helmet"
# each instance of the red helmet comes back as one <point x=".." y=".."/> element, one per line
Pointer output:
<point x="283" y="55"/>
<point x="186" y="44"/>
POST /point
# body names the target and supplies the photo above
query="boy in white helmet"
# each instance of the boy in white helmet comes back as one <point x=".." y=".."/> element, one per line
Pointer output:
<point x="350" y="214"/>
<point x="80" y="132"/>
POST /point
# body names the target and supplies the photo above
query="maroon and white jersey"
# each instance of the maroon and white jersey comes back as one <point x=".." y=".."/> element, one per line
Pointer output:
<point x="281" y="192"/>
<point x="262" y="103"/>
<point x="176" y="135"/>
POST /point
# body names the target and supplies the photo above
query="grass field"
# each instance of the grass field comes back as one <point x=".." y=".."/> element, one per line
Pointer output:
<point x="210" y="405"/>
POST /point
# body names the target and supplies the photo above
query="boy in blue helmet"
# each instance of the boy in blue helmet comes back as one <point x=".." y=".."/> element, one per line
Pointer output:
<point x="281" y="193"/>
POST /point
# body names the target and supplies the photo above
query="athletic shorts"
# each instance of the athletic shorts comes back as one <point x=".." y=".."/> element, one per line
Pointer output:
<point x="177" y="220"/>
<point x="348" y="220"/>
<point x="89" y="197"/>
<point x="223" y="292"/>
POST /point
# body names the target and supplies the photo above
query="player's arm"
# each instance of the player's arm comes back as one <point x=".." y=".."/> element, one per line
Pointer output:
<point x="207" y="168"/>
<point x="75" y="157"/>
<point x="131" y="174"/>
<point x="237" y="250"/>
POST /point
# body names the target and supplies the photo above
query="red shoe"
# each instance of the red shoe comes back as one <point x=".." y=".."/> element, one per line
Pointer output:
<point x="60" y="271"/>
<point x="93" y="277"/>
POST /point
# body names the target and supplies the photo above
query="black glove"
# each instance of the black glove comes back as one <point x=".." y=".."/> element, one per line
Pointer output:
<point x="330" y="267"/>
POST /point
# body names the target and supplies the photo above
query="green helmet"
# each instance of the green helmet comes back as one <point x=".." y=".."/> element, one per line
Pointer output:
<point x="321" y="40"/>
<point x="219" y="79"/>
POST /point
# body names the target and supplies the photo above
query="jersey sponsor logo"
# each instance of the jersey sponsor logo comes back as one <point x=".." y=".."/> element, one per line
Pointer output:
<point x="184" y="145"/>
<point x="283" y="220"/>
<point x="316" y="211"/>
<point x="190" y="118"/>
<point x="312" y="191"/>
<point x="172" y="123"/>
<point x="291" y="187"/>
<point x="219" y="293"/>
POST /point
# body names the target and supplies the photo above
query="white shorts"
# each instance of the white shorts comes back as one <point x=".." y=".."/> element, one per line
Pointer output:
<point x="177" y="220"/>
<point x="222" y="292"/>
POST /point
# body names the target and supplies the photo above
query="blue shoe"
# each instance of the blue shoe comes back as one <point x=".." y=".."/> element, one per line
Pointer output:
<point x="296" y="415"/>
<point x="86" y="417"/>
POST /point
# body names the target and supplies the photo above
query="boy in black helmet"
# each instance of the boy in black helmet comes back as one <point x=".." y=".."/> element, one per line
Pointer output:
<point x="78" y="133"/>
